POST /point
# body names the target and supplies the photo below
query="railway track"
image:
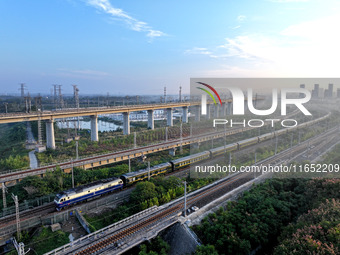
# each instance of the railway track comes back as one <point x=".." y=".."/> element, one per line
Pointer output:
<point x="29" y="214"/>
<point x="160" y="216"/>
<point x="35" y="212"/>
<point x="113" y="241"/>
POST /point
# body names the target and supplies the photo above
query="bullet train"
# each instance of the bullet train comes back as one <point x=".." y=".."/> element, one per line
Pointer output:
<point x="99" y="188"/>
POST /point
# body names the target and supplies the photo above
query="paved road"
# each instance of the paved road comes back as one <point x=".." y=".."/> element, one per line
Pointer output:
<point x="31" y="154"/>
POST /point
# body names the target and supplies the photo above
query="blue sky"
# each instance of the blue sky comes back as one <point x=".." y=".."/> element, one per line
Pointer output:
<point x="138" y="47"/>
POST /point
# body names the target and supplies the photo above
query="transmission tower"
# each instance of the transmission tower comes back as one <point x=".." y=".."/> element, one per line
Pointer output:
<point x="38" y="107"/>
<point x="28" y="103"/>
<point x="180" y="93"/>
<point x="76" y="100"/>
<point x="164" y="94"/>
<point x="6" y="106"/>
<point x="22" y="90"/>
<point x="61" y="101"/>
<point x="55" y="97"/>
<point x="76" y="95"/>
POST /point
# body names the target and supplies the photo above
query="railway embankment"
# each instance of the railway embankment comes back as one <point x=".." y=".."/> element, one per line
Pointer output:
<point x="182" y="239"/>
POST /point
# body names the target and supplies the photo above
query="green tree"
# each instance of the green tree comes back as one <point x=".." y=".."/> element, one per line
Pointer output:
<point x="143" y="191"/>
<point x="206" y="250"/>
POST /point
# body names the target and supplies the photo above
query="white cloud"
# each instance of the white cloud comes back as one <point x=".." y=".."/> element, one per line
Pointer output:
<point x="134" y="24"/>
<point x="307" y="49"/>
<point x="197" y="50"/>
<point x="241" y="18"/>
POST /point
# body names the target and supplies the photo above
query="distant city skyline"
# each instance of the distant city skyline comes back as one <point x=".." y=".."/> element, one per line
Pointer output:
<point x="142" y="46"/>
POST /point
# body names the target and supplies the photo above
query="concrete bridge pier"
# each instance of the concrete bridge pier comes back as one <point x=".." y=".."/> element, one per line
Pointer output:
<point x="50" y="141"/>
<point x="254" y="103"/>
<point x="229" y="110"/>
<point x="172" y="152"/>
<point x="216" y="111"/>
<point x="151" y="123"/>
<point x="94" y="128"/>
<point x="169" y="115"/>
<point x="185" y="114"/>
<point x="197" y="113"/>
<point x="208" y="111"/>
<point x="126" y="123"/>
<point x="196" y="145"/>
<point x="224" y="109"/>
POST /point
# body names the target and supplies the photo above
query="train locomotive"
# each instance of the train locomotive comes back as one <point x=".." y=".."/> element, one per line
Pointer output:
<point x="86" y="192"/>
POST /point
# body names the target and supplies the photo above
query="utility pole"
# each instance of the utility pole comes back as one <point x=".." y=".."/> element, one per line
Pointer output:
<point x="77" y="151"/>
<point x="291" y="140"/>
<point x="134" y="140"/>
<point x="225" y="140"/>
<point x="181" y="137"/>
<point x="72" y="175"/>
<point x="148" y="170"/>
<point x="185" y="199"/>
<point x="129" y="164"/>
<point x="275" y="145"/>
<point x="15" y="198"/>
<point x="4" y="195"/>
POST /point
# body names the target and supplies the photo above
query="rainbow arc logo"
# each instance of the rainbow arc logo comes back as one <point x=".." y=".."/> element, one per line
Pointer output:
<point x="204" y="96"/>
